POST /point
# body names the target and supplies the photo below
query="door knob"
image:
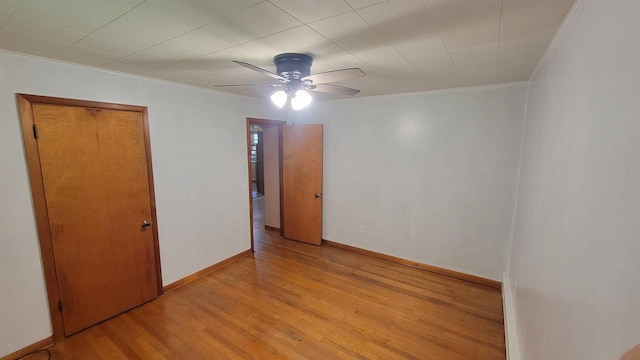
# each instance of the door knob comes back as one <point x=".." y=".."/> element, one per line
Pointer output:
<point x="145" y="224"/>
<point x="318" y="195"/>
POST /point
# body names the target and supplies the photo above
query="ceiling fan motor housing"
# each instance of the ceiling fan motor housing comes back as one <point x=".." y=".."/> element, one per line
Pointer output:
<point x="293" y="66"/>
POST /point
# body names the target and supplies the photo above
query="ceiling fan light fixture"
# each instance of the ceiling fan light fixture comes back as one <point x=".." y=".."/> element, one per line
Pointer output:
<point x="279" y="98"/>
<point x="300" y="100"/>
<point x="293" y="71"/>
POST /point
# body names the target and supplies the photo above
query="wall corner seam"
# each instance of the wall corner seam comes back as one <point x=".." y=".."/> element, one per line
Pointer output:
<point x="510" y="326"/>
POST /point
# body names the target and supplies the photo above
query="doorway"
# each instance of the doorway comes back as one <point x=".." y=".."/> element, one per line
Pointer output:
<point x="264" y="150"/>
<point x="256" y="170"/>
<point x="292" y="203"/>
<point x="92" y="186"/>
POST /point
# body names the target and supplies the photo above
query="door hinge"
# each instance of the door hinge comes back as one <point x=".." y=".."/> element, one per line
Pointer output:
<point x="60" y="305"/>
<point x="35" y="132"/>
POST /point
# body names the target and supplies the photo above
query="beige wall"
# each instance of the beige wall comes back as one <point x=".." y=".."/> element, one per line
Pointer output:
<point x="431" y="176"/>
<point x="574" y="268"/>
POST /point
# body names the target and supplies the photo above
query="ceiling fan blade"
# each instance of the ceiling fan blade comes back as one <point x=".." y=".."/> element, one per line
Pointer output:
<point x="333" y="89"/>
<point x="262" y="71"/>
<point x="241" y="85"/>
<point x="335" y="75"/>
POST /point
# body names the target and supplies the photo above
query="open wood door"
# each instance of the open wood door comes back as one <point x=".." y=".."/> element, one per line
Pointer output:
<point x="302" y="183"/>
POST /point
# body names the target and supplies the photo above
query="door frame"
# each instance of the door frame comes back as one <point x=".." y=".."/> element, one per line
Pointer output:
<point x="264" y="123"/>
<point x="25" y="107"/>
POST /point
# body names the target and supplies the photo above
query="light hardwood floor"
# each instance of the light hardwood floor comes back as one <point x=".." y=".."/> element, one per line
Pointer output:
<point x="296" y="301"/>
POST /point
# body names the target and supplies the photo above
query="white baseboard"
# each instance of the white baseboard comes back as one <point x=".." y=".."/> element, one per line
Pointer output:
<point x="510" y="329"/>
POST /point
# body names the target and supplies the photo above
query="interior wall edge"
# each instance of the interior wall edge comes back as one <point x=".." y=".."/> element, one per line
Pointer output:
<point x="574" y="261"/>
<point x="509" y="247"/>
<point x="556" y="38"/>
<point x="38" y="345"/>
<point x="510" y="323"/>
<point x="477" y="280"/>
<point x="208" y="270"/>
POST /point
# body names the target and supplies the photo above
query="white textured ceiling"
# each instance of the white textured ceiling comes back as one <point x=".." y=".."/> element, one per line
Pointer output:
<point x="402" y="45"/>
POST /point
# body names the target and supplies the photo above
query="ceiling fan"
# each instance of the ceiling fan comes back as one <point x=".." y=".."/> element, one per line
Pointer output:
<point x="293" y="72"/>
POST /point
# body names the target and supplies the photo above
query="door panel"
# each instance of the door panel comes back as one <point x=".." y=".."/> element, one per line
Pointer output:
<point x="96" y="186"/>
<point x="301" y="181"/>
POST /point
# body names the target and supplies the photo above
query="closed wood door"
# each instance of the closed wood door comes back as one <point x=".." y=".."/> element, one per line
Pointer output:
<point x="94" y="170"/>
<point x="302" y="183"/>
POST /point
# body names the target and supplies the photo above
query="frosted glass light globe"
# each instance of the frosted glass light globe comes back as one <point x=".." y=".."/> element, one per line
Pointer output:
<point x="301" y="100"/>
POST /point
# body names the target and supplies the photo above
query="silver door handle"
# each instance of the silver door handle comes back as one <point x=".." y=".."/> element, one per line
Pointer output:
<point x="145" y="224"/>
<point x="318" y="196"/>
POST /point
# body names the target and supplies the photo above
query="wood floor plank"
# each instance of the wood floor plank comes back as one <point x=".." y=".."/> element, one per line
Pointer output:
<point x="446" y="318"/>
<point x="297" y="301"/>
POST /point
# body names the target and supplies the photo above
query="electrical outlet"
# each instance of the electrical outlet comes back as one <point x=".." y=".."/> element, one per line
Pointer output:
<point x="361" y="228"/>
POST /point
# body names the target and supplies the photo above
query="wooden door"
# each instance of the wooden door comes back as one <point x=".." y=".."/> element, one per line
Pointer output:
<point x="302" y="183"/>
<point x="94" y="171"/>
